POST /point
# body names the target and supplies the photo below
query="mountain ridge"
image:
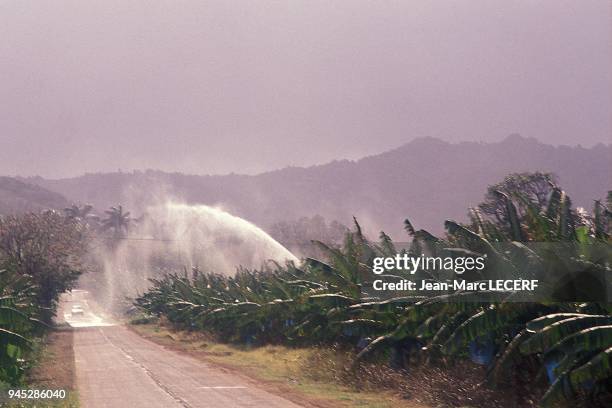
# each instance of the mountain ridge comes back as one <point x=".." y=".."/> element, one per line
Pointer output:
<point x="427" y="180"/>
<point x="17" y="196"/>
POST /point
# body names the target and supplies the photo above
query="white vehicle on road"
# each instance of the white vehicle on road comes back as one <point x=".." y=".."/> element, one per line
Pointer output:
<point x="77" y="310"/>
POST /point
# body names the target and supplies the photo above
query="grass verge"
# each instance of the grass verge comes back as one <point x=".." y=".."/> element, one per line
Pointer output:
<point x="307" y="376"/>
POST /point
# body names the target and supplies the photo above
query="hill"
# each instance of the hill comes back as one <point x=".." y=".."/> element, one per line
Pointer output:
<point x="17" y="196"/>
<point x="427" y="180"/>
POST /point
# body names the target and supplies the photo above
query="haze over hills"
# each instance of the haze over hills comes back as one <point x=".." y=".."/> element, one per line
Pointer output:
<point x="17" y="196"/>
<point x="426" y="180"/>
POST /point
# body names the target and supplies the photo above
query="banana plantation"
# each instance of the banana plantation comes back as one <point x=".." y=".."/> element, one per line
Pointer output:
<point x="526" y="227"/>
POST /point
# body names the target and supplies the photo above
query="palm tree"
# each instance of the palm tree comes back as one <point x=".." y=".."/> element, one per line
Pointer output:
<point x="76" y="212"/>
<point x="117" y="220"/>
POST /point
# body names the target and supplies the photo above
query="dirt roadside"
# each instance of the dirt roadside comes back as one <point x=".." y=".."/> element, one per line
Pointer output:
<point x="56" y="367"/>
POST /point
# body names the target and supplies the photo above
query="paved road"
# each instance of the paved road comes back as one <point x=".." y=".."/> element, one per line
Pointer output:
<point x="117" y="368"/>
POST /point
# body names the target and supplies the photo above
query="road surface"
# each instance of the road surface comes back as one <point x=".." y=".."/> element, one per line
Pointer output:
<point x="117" y="368"/>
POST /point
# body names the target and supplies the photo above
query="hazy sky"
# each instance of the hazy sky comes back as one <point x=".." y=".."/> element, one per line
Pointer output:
<point x="246" y="86"/>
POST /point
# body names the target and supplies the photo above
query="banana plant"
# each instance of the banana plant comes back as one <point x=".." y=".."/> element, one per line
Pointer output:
<point x="579" y="345"/>
<point x="18" y="323"/>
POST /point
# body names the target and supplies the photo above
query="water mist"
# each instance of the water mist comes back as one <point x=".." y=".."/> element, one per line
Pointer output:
<point x="176" y="237"/>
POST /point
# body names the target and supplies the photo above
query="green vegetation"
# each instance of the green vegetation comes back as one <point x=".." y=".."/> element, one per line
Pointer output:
<point x="40" y="258"/>
<point x="526" y="227"/>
